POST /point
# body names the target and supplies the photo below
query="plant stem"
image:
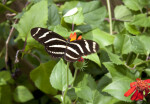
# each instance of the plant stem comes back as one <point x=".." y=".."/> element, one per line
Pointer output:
<point x="143" y="62"/>
<point x="75" y="74"/>
<point x="110" y="18"/>
<point x="67" y="82"/>
<point x="72" y="26"/>
<point x="11" y="10"/>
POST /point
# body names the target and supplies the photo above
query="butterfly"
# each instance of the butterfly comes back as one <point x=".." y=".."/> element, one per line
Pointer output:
<point x="58" y="47"/>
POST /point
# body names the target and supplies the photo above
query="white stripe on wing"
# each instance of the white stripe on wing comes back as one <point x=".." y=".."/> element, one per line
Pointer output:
<point x="87" y="45"/>
<point x="37" y="31"/>
<point x="53" y="39"/>
<point x="44" y="35"/>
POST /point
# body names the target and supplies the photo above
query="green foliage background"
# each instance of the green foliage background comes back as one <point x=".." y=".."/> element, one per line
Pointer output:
<point x="40" y="79"/>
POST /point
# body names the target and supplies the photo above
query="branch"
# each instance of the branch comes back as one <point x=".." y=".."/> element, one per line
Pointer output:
<point x="11" y="10"/>
<point x="7" y="42"/>
<point x="140" y="63"/>
<point x="114" y="19"/>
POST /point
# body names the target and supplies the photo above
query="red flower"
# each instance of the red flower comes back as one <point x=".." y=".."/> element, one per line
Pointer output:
<point x="74" y="37"/>
<point x="138" y="88"/>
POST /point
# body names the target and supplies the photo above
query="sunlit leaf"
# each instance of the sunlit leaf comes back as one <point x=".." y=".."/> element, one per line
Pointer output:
<point x="141" y="20"/>
<point x="123" y="13"/>
<point x="40" y="76"/>
<point x="77" y="18"/>
<point x="53" y="16"/>
<point x="71" y="12"/>
<point x="94" y="58"/>
<point x="101" y="37"/>
<point x="22" y="94"/>
<point x="58" y="76"/>
<point x="37" y="16"/>
<point x="121" y="81"/>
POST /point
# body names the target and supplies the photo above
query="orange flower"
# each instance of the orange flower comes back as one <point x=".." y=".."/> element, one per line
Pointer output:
<point x="74" y="37"/>
<point x="138" y="88"/>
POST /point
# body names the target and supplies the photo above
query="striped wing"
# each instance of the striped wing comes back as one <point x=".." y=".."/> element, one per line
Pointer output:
<point x="57" y="46"/>
<point x="78" y="48"/>
<point x="54" y="44"/>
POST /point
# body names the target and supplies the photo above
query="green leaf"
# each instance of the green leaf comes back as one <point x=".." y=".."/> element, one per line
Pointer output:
<point x="93" y="57"/>
<point x="5" y="95"/>
<point x="61" y="31"/>
<point x="132" y="29"/>
<point x="114" y="58"/>
<point x="68" y="5"/>
<point x="123" y="13"/>
<point x="93" y="12"/>
<point x="122" y="78"/>
<point x="83" y="80"/>
<point x="101" y="37"/>
<point x="147" y="71"/>
<point x="89" y="6"/>
<point x="84" y="93"/>
<point x="40" y="76"/>
<point x="96" y="16"/>
<point x="67" y="99"/>
<point x="53" y="16"/>
<point x="92" y="97"/>
<point x="104" y="81"/>
<point x="77" y="18"/>
<point x="71" y="93"/>
<point x="71" y="12"/>
<point x="125" y="44"/>
<point x="144" y="3"/>
<point x="4" y="77"/>
<point x="144" y="38"/>
<point x="118" y="71"/>
<point x="141" y="20"/>
<point x="36" y="17"/>
<point x="133" y="4"/>
<point x="118" y="88"/>
<point x="58" y="76"/>
<point x="22" y="94"/>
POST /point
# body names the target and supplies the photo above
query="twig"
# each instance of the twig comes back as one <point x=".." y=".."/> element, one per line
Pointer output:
<point x="143" y="62"/>
<point x="17" y="53"/>
<point x="9" y="37"/>
<point x="11" y="10"/>
<point x="72" y="26"/>
<point x="114" y="19"/>
<point x="22" y="50"/>
<point x="7" y="42"/>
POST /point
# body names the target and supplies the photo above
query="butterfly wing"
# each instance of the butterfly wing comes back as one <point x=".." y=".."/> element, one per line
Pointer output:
<point x="78" y="48"/>
<point x="54" y="44"/>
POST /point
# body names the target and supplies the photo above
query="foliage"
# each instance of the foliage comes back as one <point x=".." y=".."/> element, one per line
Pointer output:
<point x="41" y="79"/>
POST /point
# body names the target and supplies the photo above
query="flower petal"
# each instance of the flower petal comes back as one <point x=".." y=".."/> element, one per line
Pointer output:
<point x="73" y="36"/>
<point x="134" y="96"/>
<point x="132" y="84"/>
<point x="130" y="91"/>
<point x="79" y="38"/>
<point x="139" y="96"/>
<point x="147" y="80"/>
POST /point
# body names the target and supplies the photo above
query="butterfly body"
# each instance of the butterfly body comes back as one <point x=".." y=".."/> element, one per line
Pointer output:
<point x="58" y="47"/>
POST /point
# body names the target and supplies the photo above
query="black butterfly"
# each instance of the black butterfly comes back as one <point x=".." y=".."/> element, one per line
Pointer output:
<point x="57" y="46"/>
